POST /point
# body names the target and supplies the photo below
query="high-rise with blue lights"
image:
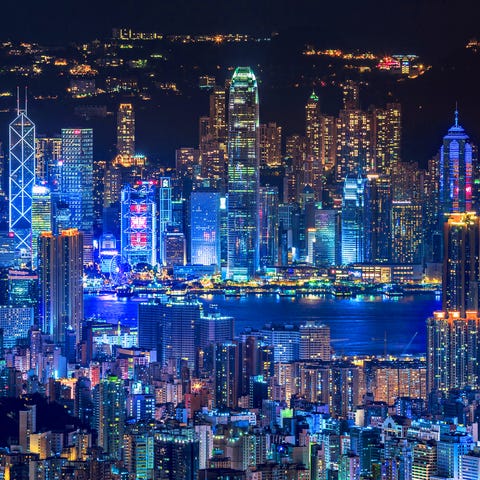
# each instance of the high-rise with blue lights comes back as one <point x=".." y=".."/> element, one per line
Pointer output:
<point x="205" y="228"/>
<point x="165" y="215"/>
<point x="21" y="179"/>
<point x="243" y="175"/>
<point x="456" y="172"/>
<point x="354" y="229"/>
<point x="76" y="182"/>
<point x="139" y="224"/>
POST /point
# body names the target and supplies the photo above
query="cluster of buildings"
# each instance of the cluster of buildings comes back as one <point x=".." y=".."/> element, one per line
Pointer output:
<point x="180" y="396"/>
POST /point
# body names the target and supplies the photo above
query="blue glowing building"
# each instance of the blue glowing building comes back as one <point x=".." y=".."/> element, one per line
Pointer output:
<point x="243" y="175"/>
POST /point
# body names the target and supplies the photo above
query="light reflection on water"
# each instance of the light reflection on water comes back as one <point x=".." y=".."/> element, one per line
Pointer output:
<point x="357" y="324"/>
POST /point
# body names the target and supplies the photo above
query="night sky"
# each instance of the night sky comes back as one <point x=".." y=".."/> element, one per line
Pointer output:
<point x="424" y="25"/>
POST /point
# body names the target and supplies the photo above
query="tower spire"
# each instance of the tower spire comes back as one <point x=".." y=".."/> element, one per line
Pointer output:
<point x="456" y="114"/>
<point x="26" y="101"/>
<point x="18" y="100"/>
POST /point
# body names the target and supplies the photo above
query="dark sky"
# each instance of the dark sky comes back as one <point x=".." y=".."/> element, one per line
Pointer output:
<point x="428" y="25"/>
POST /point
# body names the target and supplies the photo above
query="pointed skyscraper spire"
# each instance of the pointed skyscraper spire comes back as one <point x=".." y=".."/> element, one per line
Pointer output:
<point x="456" y="114"/>
<point x="26" y="101"/>
<point x="18" y="100"/>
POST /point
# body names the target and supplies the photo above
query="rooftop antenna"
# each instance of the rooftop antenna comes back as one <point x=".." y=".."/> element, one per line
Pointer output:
<point x="26" y="96"/>
<point x="456" y="114"/>
<point x="18" y="100"/>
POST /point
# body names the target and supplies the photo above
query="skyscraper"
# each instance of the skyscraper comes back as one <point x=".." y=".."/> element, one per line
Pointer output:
<point x="270" y="144"/>
<point x="60" y="271"/>
<point x="313" y="129"/>
<point x="126" y="130"/>
<point x="268" y="224"/>
<point x="139" y="224"/>
<point x="165" y="215"/>
<point x="453" y="344"/>
<point x="76" y="182"/>
<point x="21" y="179"/>
<point x="41" y="216"/>
<point x="354" y="220"/>
<point x="387" y="131"/>
<point x="205" y="228"/>
<point x="315" y="342"/>
<point x="243" y="175"/>
<point x="456" y="173"/>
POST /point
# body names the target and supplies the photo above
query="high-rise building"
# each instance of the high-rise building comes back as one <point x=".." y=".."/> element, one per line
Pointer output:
<point x="327" y="237"/>
<point x="270" y="144"/>
<point x="452" y="334"/>
<point x="139" y="224"/>
<point x="187" y="163"/>
<point x="268" y="224"/>
<point x="48" y="154"/>
<point x="109" y="405"/>
<point x="461" y="266"/>
<point x="76" y="182"/>
<point x="243" y="175"/>
<point x="60" y="272"/>
<point x="205" y="228"/>
<point x="315" y="342"/>
<point x="424" y="460"/>
<point x="313" y="128"/>
<point x="41" y="216"/>
<point x="380" y="205"/>
<point x="387" y="131"/>
<point x="328" y="137"/>
<point x="15" y="323"/>
<point x="126" y="130"/>
<point x="227" y="368"/>
<point x="354" y="144"/>
<point x="21" y="179"/>
<point x="406" y="232"/>
<point x="214" y="328"/>
<point x="218" y="114"/>
<point x="456" y="172"/>
<point x="354" y="220"/>
<point x="171" y="328"/>
<point x="165" y="215"/>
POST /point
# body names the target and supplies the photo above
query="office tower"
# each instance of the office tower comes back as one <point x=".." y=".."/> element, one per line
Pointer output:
<point x="175" y="247"/>
<point x="187" y="163"/>
<point x="139" y="224"/>
<point x="312" y="166"/>
<point x="347" y="388"/>
<point x="327" y="237"/>
<point x="126" y="130"/>
<point x="109" y="407"/>
<point x="285" y="340"/>
<point x="214" y="328"/>
<point x="328" y="135"/>
<point x="387" y="131"/>
<point x="349" y="467"/>
<point x="48" y="155"/>
<point x="314" y="342"/>
<point x="243" y="175"/>
<point x="41" y="216"/>
<point x="177" y="454"/>
<point x="171" y="328"/>
<point x="21" y="179"/>
<point x="456" y="172"/>
<point x="270" y="145"/>
<point x="15" y="323"/>
<point x="227" y="372"/>
<point x="218" y="114"/>
<point x="205" y="228"/>
<point x="380" y="204"/>
<point x="165" y="215"/>
<point x="268" y="225"/>
<point x="76" y="182"/>
<point x="365" y="442"/>
<point x="354" y="220"/>
<point x="354" y="144"/>
<point x="22" y="288"/>
<point x="60" y="272"/>
<point x="406" y="232"/>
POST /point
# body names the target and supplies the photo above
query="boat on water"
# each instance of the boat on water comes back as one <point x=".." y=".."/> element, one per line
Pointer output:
<point x="233" y="292"/>
<point x="287" y="293"/>
<point x="125" y="291"/>
<point x="394" y="291"/>
<point x="341" y="291"/>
